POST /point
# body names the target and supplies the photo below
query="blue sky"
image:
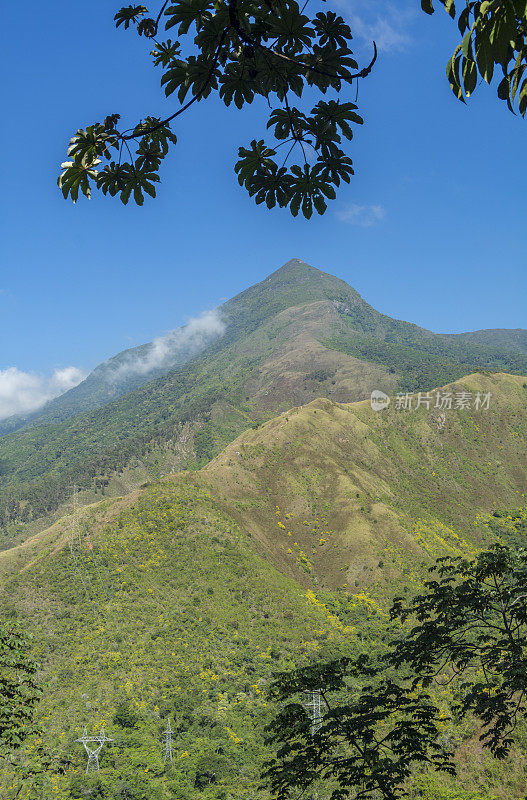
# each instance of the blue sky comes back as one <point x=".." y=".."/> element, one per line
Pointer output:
<point x="431" y="229"/>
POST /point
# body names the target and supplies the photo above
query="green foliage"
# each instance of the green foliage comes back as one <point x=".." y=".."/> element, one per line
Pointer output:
<point x="472" y="618"/>
<point x="420" y="359"/>
<point x="125" y="715"/>
<point x="75" y="441"/>
<point x="494" y="35"/>
<point x="19" y="687"/>
<point x="239" y="50"/>
<point x="467" y="645"/>
<point x="367" y="745"/>
<point x="168" y="613"/>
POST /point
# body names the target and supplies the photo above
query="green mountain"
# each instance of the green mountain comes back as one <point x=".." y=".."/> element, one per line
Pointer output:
<point x="179" y="600"/>
<point x="299" y="334"/>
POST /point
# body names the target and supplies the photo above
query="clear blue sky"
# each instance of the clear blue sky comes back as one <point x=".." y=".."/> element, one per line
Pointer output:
<point x="447" y="249"/>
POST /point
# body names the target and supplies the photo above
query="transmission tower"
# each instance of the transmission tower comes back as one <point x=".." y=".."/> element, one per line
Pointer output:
<point x="312" y="704"/>
<point x="93" y="752"/>
<point x="75" y="540"/>
<point x="167" y="748"/>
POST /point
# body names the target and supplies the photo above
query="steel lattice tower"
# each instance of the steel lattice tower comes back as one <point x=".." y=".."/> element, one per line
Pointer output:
<point x="93" y="752"/>
<point x="313" y="709"/>
<point x="167" y="749"/>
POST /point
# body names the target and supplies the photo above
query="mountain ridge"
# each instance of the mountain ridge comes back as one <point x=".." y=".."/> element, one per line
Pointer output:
<point x="180" y="601"/>
<point x="300" y="332"/>
<point x="296" y="273"/>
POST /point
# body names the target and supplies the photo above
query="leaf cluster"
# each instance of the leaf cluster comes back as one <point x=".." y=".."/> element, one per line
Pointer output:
<point x="369" y="740"/>
<point x="469" y="626"/>
<point x="19" y="687"/>
<point x="472" y="624"/>
<point x="238" y="50"/>
<point x="138" y="176"/>
<point x="494" y="36"/>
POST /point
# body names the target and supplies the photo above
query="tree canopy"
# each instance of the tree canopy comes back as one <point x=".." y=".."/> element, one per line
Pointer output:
<point x="241" y="50"/>
<point x="380" y="715"/>
<point x="493" y="37"/>
<point x="238" y="50"/>
<point x="19" y="688"/>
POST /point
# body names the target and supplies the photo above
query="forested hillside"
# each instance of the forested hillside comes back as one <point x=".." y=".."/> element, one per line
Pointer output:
<point x="298" y="334"/>
<point x="179" y="601"/>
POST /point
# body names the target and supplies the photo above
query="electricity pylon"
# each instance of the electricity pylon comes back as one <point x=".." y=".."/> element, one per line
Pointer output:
<point x="93" y="752"/>
<point x="167" y="748"/>
<point x="75" y="540"/>
<point x="313" y="709"/>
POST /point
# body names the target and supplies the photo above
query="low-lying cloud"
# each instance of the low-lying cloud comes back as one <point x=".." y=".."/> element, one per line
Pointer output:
<point x="24" y="392"/>
<point x="363" y="216"/>
<point x="187" y="341"/>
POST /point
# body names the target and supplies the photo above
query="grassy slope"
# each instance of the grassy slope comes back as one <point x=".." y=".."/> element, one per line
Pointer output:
<point x="181" y="600"/>
<point x="298" y="334"/>
<point x="384" y="484"/>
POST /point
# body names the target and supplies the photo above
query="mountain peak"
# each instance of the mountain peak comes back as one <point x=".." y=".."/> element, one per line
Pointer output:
<point x="295" y="268"/>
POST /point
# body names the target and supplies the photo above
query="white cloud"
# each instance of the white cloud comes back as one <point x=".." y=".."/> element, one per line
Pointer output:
<point x="386" y="23"/>
<point x="24" y="392"/>
<point x="364" y="216"/>
<point x="190" y="340"/>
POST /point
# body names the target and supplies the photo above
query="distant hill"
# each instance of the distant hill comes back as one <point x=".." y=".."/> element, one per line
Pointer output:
<point x="181" y="599"/>
<point x="299" y="334"/>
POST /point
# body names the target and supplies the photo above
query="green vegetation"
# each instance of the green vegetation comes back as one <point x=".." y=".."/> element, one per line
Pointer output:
<point x="378" y="720"/>
<point x="494" y="36"/>
<point x="164" y="612"/>
<point x="241" y="51"/>
<point x="19" y="688"/>
<point x="421" y="360"/>
<point x="183" y="419"/>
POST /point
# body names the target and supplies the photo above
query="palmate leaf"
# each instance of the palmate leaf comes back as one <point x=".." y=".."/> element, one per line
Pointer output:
<point x="186" y="13"/>
<point x="287" y="122"/>
<point x="239" y="50"/>
<point x="129" y="15"/>
<point x="76" y="176"/>
<point x="128" y="179"/>
<point x="111" y="179"/>
<point x="87" y="145"/>
<point x="147" y="27"/>
<point x="155" y="132"/>
<point x="309" y="190"/>
<point x="331" y="30"/>
<point x="254" y="161"/>
<point x="137" y="181"/>
<point x="236" y="85"/>
<point x="273" y="187"/>
<point x="165" y="52"/>
<point x="333" y="116"/>
<point x="194" y="74"/>
<point x="334" y="167"/>
<point x="291" y="29"/>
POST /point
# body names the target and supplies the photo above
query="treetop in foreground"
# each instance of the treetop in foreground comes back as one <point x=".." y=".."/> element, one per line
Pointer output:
<point x="494" y="36"/>
<point x="238" y="50"/>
